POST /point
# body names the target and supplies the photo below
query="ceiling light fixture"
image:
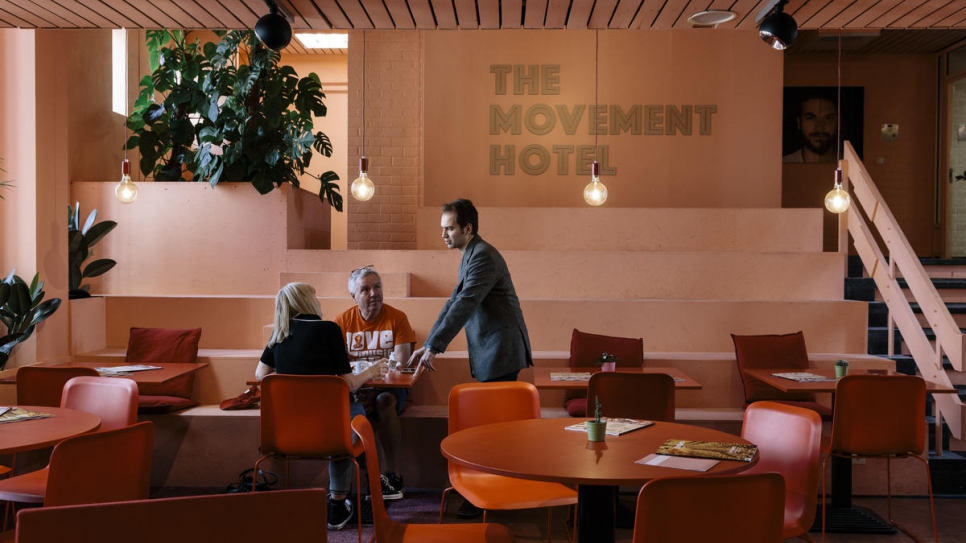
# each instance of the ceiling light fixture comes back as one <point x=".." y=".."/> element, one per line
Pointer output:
<point x="778" y="29"/>
<point x="273" y="29"/>
<point x="595" y="193"/>
<point x="711" y="17"/>
<point x="323" y="41"/>
<point x="363" y="188"/>
<point x="837" y="200"/>
<point x="125" y="191"/>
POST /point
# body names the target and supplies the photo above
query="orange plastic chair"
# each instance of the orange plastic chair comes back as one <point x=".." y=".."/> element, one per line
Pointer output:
<point x="718" y="508"/>
<point x="297" y="516"/>
<point x="388" y="530"/>
<point x="785" y="351"/>
<point x="113" y="399"/>
<point x="789" y="442"/>
<point x="586" y="348"/>
<point x="114" y="465"/>
<point x="43" y="385"/>
<point x="473" y="404"/>
<point x="648" y="396"/>
<point x="880" y="416"/>
<point x="306" y="417"/>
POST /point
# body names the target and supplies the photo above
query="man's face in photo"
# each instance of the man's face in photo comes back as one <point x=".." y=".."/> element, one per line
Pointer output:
<point x="818" y="122"/>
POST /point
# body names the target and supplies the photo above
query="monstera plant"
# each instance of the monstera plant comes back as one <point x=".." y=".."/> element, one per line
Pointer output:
<point x="228" y="111"/>
<point x="22" y="308"/>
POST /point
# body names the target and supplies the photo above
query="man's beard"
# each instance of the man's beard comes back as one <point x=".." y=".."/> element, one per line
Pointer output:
<point x="819" y="143"/>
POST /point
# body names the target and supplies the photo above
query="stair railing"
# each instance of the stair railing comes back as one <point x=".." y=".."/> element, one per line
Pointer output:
<point x="949" y="339"/>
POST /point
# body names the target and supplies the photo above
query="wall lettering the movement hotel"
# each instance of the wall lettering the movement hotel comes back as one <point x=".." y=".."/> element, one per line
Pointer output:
<point x="605" y="119"/>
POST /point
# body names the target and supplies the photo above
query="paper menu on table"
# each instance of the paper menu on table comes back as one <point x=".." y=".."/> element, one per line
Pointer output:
<point x="743" y="452"/>
<point x="803" y="377"/>
<point x="677" y="462"/>
<point x="570" y="376"/>
<point x="615" y="427"/>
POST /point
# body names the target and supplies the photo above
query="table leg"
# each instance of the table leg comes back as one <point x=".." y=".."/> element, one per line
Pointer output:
<point x="596" y="513"/>
<point x="842" y="516"/>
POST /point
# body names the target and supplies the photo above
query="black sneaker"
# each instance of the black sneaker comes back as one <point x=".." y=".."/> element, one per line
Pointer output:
<point x="468" y="510"/>
<point x="339" y="512"/>
<point x="392" y="486"/>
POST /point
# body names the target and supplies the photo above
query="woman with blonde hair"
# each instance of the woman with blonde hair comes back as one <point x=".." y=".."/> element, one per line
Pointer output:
<point x="304" y="344"/>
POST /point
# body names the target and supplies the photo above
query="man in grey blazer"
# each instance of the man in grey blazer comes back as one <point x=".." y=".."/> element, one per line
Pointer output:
<point x="483" y="301"/>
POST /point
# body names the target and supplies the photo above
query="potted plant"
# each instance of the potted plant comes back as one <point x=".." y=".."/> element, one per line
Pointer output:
<point x="607" y="361"/>
<point x="79" y="243"/>
<point x="841" y="368"/>
<point x="597" y="428"/>
<point x="21" y="309"/>
<point x="228" y="111"/>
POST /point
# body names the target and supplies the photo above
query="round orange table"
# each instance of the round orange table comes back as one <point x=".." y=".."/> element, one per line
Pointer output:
<point x="32" y="434"/>
<point x="542" y="450"/>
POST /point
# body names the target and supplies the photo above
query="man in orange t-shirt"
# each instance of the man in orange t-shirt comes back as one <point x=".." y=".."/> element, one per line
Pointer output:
<point x="374" y="331"/>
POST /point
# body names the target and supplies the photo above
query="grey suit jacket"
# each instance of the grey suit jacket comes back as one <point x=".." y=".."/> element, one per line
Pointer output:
<point x="485" y="302"/>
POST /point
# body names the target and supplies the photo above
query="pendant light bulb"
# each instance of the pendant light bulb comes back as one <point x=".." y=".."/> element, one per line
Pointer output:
<point x="126" y="191"/>
<point x="362" y="188"/>
<point x="595" y="193"/>
<point x="837" y="200"/>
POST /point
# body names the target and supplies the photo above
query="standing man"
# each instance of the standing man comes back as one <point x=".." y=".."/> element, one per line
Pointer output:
<point x="375" y="331"/>
<point x="483" y="301"/>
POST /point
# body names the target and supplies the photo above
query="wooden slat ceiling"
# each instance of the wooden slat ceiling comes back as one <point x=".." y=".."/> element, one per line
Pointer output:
<point x="885" y="25"/>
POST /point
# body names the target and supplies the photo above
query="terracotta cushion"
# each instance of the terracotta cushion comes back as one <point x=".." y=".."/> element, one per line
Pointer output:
<point x="153" y="345"/>
<point x="784" y="351"/>
<point x="576" y="407"/>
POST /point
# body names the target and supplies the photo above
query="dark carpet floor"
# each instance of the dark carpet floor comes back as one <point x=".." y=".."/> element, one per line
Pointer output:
<point x="422" y="506"/>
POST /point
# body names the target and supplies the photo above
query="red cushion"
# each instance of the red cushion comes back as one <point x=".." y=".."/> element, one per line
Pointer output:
<point x="151" y="404"/>
<point x="771" y="351"/>
<point x="586" y="348"/>
<point x="576" y="407"/>
<point x="152" y="345"/>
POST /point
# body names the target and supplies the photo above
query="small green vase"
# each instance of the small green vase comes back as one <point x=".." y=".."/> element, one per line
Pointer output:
<point x="596" y="430"/>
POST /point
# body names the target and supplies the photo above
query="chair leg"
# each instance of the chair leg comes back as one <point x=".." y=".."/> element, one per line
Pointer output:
<point x="359" y="494"/>
<point x="824" y="494"/>
<point x="442" y="505"/>
<point x="932" y="505"/>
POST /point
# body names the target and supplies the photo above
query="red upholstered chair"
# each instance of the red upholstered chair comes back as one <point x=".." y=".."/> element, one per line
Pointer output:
<point x="785" y="351"/>
<point x="44" y="385"/>
<point x="789" y="442"/>
<point x="154" y="345"/>
<point x="711" y="508"/>
<point x="880" y="416"/>
<point x="473" y="404"/>
<point x="390" y="531"/>
<point x="283" y="516"/>
<point x="586" y="348"/>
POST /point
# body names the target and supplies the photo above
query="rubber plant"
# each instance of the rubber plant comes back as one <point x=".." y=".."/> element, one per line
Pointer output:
<point x="22" y="308"/>
<point x="80" y="239"/>
<point x="228" y="111"/>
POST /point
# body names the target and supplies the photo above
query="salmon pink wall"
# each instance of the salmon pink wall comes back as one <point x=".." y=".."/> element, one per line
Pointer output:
<point x="724" y="85"/>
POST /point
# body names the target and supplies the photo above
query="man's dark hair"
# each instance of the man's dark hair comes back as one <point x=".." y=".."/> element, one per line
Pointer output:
<point x="826" y="94"/>
<point x="465" y="213"/>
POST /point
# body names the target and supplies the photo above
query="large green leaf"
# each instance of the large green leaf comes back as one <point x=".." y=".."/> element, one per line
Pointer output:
<point x="97" y="232"/>
<point x="98" y="267"/>
<point x="19" y="301"/>
<point x="4" y="293"/>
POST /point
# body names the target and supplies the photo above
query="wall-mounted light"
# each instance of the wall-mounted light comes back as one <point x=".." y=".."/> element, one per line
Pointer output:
<point x="273" y="29"/>
<point x="778" y="29"/>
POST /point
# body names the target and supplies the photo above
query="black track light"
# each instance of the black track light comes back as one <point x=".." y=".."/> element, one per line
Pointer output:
<point x="273" y="29"/>
<point x="779" y="29"/>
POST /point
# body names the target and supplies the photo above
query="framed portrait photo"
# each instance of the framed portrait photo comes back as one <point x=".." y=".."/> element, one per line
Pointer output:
<point x="811" y="123"/>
